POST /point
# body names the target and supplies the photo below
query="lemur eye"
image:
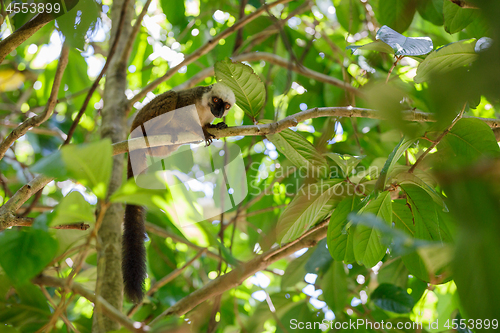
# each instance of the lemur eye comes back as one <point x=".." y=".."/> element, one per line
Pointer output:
<point x="227" y="106"/>
<point x="215" y="99"/>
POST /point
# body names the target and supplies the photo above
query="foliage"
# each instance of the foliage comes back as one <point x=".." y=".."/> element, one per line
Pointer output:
<point x="411" y="206"/>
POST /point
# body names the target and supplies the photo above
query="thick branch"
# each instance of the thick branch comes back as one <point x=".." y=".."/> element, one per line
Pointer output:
<point x="242" y="272"/>
<point x="290" y="121"/>
<point x="203" y="50"/>
<point x="273" y="59"/>
<point x="77" y="288"/>
<point x="42" y="117"/>
<point x="19" y="36"/>
<point x="464" y="4"/>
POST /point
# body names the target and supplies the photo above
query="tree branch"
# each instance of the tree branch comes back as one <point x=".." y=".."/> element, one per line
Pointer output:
<point x="290" y="121"/>
<point x="28" y="222"/>
<point x="438" y="140"/>
<point x="49" y="108"/>
<point x="240" y="273"/>
<point x="19" y="36"/>
<point x="203" y="50"/>
<point x="464" y="4"/>
<point x="77" y="288"/>
<point x="273" y="59"/>
<point x="92" y="89"/>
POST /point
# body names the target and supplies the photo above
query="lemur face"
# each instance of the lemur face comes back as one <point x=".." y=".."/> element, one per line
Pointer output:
<point x="221" y="99"/>
<point x="218" y="106"/>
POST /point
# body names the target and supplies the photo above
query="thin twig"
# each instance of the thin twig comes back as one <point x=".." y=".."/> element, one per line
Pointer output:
<point x="398" y="58"/>
<point x="436" y="142"/>
<point x="107" y="308"/>
<point x="101" y="74"/>
<point x="49" y="108"/>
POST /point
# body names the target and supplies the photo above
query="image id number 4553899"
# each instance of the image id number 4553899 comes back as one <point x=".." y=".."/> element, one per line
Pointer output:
<point x="16" y="7"/>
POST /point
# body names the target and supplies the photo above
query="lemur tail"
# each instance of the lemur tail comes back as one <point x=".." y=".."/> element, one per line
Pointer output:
<point x="134" y="250"/>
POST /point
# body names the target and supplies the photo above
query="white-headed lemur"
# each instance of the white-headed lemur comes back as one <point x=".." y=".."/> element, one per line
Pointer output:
<point x="211" y="102"/>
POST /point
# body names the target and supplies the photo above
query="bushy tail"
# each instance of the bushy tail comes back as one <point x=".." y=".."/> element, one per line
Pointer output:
<point x="134" y="250"/>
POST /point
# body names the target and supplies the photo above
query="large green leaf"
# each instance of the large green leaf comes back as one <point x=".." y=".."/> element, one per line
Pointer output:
<point x="368" y="247"/>
<point x="24" y="253"/>
<point x="306" y="209"/>
<point x="396" y="14"/>
<point x="338" y="235"/>
<point x="89" y="164"/>
<point x="248" y="89"/>
<point x="468" y="141"/>
<point x="456" y="18"/>
<point x="295" y="271"/>
<point x="393" y="272"/>
<point x="300" y="153"/>
<point x="72" y="208"/>
<point x="431" y="10"/>
<point x="425" y="217"/>
<point x="334" y="286"/>
<point x="446" y="58"/>
<point x="349" y="15"/>
<point x="346" y="162"/>
<point x="393" y="158"/>
<point x="79" y="23"/>
<point x="392" y="298"/>
<point x="175" y="12"/>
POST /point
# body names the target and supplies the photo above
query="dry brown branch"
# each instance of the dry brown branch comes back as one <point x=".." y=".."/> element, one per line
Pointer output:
<point x="49" y="108"/>
<point x="28" y="222"/>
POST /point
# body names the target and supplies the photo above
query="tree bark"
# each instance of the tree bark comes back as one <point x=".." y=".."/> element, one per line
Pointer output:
<point x="114" y="126"/>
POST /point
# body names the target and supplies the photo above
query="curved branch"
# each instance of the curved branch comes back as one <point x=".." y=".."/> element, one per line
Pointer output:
<point x="244" y="271"/>
<point x="77" y="288"/>
<point x="273" y="59"/>
<point x="19" y="36"/>
<point x="290" y="121"/>
<point x="42" y="117"/>
<point x="203" y="50"/>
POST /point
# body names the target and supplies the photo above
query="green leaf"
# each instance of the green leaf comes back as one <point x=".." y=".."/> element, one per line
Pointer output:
<point x="456" y="18"/>
<point x="73" y="208"/>
<point x="175" y="12"/>
<point x="409" y="46"/>
<point x="334" y="286"/>
<point x="431" y="10"/>
<point x="337" y="236"/>
<point x="467" y="142"/>
<point x="248" y="89"/>
<point x="25" y="253"/>
<point x="446" y="58"/>
<point x="425" y="218"/>
<point x="295" y="271"/>
<point x="305" y="209"/>
<point x="346" y="162"/>
<point x="368" y="247"/>
<point x="392" y="298"/>
<point x="349" y="15"/>
<point x="79" y="23"/>
<point x="300" y="153"/>
<point x="397" y="14"/>
<point x="89" y="164"/>
<point x="393" y="158"/>
<point x="393" y="272"/>
<point x="130" y="193"/>
<point x="378" y="46"/>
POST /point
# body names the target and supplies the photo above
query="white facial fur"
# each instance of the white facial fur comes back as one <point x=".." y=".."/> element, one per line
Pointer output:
<point x="220" y="91"/>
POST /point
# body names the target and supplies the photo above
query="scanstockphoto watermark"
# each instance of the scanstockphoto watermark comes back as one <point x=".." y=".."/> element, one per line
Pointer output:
<point x="357" y="324"/>
<point x="346" y="186"/>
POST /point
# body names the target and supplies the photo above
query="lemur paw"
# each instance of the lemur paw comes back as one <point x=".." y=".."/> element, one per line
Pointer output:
<point x="208" y="137"/>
